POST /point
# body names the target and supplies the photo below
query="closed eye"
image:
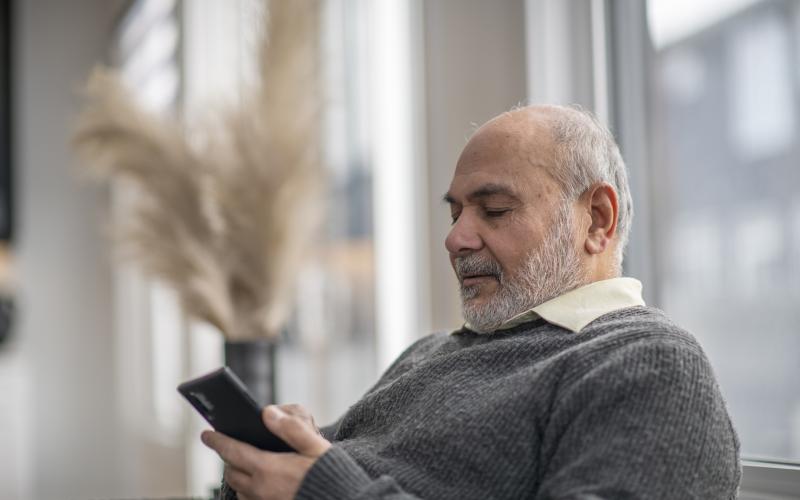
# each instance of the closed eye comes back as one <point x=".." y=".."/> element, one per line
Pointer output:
<point x="496" y="213"/>
<point x="492" y="214"/>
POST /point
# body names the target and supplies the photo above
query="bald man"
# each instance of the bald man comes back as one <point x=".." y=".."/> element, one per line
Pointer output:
<point x="561" y="384"/>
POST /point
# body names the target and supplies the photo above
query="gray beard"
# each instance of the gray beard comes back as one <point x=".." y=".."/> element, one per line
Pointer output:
<point x="549" y="271"/>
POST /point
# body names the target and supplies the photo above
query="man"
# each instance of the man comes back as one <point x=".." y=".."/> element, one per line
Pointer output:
<point x="562" y="384"/>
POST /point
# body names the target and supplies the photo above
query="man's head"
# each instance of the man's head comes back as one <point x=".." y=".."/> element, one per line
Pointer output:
<point x="540" y="205"/>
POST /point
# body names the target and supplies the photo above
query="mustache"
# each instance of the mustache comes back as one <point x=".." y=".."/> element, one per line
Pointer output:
<point x="474" y="265"/>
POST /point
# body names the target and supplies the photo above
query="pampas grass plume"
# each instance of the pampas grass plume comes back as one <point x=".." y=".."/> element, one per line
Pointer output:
<point x="226" y="223"/>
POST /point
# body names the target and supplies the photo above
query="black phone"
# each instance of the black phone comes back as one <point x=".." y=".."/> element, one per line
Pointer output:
<point x="224" y="401"/>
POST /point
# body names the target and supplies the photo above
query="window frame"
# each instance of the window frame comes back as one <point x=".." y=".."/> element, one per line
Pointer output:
<point x="777" y="479"/>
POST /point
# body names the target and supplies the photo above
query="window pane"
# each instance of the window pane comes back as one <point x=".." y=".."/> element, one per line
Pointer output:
<point x="726" y="167"/>
<point x="328" y="359"/>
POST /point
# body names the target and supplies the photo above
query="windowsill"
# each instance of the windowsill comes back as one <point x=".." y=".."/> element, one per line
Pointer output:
<point x="778" y="480"/>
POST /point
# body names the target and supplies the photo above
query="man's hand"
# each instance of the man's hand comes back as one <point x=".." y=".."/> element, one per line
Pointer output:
<point x="263" y="475"/>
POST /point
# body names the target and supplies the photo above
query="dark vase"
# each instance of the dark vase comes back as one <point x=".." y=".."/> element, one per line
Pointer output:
<point x="253" y="361"/>
<point x="6" y="317"/>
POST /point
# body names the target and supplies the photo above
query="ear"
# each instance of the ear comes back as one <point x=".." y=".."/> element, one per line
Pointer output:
<point x="603" y="208"/>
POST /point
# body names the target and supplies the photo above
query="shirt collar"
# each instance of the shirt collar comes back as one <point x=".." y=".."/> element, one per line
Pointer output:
<point x="579" y="307"/>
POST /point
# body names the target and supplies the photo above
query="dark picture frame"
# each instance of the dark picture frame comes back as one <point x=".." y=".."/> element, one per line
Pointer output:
<point x="6" y="105"/>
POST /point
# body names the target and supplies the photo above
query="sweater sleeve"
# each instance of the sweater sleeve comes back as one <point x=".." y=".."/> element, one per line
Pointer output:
<point x="641" y="420"/>
<point x="337" y="461"/>
<point x="336" y="476"/>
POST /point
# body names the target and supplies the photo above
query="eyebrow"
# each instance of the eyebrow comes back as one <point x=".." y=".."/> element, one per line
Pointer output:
<point x="484" y="191"/>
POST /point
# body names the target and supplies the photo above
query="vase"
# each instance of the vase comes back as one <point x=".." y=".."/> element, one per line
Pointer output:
<point x="253" y="361"/>
<point x="6" y="317"/>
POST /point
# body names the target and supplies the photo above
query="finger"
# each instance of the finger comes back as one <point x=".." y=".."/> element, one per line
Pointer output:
<point x="238" y="479"/>
<point x="301" y="412"/>
<point x="296" y="410"/>
<point x="297" y="433"/>
<point x="240" y="455"/>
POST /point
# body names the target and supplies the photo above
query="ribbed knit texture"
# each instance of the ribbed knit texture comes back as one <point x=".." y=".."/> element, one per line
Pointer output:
<point x="627" y="408"/>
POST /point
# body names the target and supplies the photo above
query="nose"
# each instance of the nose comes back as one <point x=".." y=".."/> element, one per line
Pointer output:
<point x="464" y="237"/>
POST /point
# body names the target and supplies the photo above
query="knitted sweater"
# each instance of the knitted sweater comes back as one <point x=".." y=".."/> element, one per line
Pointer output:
<point x="627" y="408"/>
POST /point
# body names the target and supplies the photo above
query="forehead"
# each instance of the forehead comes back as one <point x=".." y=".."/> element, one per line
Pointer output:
<point x="506" y="151"/>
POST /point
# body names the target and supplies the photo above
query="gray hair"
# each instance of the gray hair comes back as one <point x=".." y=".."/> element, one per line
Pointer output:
<point x="586" y="153"/>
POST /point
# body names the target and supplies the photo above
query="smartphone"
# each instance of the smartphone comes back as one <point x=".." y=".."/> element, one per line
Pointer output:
<point x="223" y="400"/>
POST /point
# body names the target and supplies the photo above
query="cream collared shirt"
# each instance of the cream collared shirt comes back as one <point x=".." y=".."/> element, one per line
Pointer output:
<point x="579" y="307"/>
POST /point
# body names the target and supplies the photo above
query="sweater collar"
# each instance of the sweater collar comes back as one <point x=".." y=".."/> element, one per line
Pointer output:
<point x="579" y="307"/>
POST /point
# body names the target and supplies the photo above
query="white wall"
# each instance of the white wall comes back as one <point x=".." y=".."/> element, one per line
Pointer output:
<point x="474" y="70"/>
<point x="66" y="437"/>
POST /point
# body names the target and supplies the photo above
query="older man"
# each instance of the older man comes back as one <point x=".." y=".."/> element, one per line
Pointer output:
<point x="562" y="384"/>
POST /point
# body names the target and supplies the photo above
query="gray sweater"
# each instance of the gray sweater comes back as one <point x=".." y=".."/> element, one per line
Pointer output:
<point x="627" y="408"/>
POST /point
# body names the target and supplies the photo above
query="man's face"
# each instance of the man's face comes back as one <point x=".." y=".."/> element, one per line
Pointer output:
<point x="507" y="211"/>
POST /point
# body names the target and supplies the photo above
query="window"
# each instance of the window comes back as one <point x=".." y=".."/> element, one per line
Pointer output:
<point x="705" y="102"/>
<point x="703" y="99"/>
<point x="725" y="173"/>
<point x="328" y="358"/>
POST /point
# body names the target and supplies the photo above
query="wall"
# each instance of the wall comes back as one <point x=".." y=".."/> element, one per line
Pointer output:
<point x="474" y="70"/>
<point x="66" y="442"/>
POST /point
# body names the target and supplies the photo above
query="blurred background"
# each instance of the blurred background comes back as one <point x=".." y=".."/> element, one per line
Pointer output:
<point x="702" y="96"/>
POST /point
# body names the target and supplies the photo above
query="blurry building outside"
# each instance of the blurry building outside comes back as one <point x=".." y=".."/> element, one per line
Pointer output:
<point x="726" y="174"/>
